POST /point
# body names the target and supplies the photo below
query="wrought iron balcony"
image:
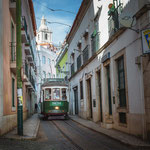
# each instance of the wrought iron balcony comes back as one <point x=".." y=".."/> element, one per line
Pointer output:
<point x="13" y="57"/>
<point x="24" y="30"/>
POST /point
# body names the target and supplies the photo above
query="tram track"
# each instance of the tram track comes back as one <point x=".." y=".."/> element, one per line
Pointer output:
<point x="79" y="131"/>
<point x="66" y="136"/>
<point x="82" y="138"/>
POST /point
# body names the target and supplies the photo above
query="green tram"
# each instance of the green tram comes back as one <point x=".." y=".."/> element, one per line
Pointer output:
<point x="54" y="98"/>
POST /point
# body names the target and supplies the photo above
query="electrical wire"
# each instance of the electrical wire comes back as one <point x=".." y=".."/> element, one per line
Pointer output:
<point x="51" y="22"/>
<point x="51" y="9"/>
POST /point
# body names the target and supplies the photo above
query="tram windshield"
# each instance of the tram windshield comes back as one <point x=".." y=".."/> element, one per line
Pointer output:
<point x="64" y="96"/>
<point x="56" y="93"/>
<point x="48" y="94"/>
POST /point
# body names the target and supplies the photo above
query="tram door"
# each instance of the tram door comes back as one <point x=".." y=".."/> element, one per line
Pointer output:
<point x="76" y="99"/>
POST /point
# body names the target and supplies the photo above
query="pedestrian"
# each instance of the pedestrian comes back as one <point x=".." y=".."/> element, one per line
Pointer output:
<point x="36" y="107"/>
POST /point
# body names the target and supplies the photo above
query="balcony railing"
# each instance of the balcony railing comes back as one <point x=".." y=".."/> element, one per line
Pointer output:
<point x="24" y="24"/>
<point x="32" y="52"/>
<point x="85" y="54"/>
<point x="113" y="20"/>
<point x="13" y="52"/>
<point x="32" y="81"/>
<point x="26" y="70"/>
<point x="29" y="75"/>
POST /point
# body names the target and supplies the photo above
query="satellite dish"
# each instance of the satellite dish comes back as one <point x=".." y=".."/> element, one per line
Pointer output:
<point x="127" y="20"/>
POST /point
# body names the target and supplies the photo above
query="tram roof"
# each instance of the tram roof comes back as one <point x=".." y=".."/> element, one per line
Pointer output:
<point x="55" y="82"/>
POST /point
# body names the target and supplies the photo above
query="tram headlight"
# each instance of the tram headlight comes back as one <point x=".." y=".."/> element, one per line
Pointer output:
<point x="57" y="108"/>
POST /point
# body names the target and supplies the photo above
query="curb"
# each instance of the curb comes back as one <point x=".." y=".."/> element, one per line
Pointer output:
<point x="36" y="129"/>
<point x="112" y="137"/>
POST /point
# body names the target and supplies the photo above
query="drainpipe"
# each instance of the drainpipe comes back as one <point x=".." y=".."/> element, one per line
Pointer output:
<point x="19" y="65"/>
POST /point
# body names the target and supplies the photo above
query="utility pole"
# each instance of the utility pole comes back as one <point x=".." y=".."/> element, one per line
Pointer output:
<point x="19" y="66"/>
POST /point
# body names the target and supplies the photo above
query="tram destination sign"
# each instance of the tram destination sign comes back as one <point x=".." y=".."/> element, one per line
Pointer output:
<point x="56" y="104"/>
<point x="146" y="41"/>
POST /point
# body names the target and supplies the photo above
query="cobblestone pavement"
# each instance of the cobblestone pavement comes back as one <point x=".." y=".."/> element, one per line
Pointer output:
<point x="64" y="135"/>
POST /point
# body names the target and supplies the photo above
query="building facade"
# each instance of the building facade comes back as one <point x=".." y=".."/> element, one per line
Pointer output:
<point x="47" y="54"/>
<point x="8" y="80"/>
<point x="62" y="63"/>
<point x="108" y="70"/>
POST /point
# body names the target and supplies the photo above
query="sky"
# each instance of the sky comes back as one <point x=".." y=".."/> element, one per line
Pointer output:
<point x="59" y="31"/>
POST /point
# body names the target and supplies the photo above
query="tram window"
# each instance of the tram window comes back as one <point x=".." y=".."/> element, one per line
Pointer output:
<point x="47" y="94"/>
<point x="56" y="93"/>
<point x="64" y="96"/>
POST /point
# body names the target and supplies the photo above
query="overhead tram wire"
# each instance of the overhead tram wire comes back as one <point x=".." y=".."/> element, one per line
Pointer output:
<point x="50" y="22"/>
<point x="51" y="9"/>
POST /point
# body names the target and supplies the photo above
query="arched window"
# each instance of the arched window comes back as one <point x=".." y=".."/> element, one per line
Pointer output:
<point x="46" y="36"/>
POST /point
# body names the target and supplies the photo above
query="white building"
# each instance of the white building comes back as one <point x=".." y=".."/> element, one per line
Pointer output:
<point x="47" y="54"/>
<point x="108" y="74"/>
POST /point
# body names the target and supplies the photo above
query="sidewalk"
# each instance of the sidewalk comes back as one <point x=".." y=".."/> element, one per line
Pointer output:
<point x="30" y="127"/>
<point x="117" y="135"/>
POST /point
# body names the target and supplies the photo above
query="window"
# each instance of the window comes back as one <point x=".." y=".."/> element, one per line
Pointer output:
<point x="49" y="61"/>
<point x="72" y="69"/>
<point x="44" y="74"/>
<point x="38" y="37"/>
<point x="85" y="54"/>
<point x="81" y="90"/>
<point x="13" y="53"/>
<point x="121" y="82"/>
<point x="109" y="89"/>
<point x="95" y="41"/>
<point x="43" y="60"/>
<point x="64" y="96"/>
<point x="46" y="36"/>
<point x="56" y="93"/>
<point x="122" y="118"/>
<point x="13" y="92"/>
<point x="48" y="94"/>
<point x="78" y="62"/>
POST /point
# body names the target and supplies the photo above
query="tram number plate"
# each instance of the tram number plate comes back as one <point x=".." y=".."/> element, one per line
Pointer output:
<point x="56" y="103"/>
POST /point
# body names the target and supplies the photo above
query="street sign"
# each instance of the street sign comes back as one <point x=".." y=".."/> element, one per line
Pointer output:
<point x="146" y="41"/>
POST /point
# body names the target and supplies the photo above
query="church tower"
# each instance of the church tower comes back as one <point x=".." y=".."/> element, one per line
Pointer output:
<point x="44" y="34"/>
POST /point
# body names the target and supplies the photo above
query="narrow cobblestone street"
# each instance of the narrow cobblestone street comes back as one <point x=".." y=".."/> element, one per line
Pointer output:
<point x="64" y="135"/>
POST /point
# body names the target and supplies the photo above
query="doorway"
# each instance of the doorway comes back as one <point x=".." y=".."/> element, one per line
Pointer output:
<point x="76" y="99"/>
<point x="89" y="91"/>
<point x="100" y="94"/>
<point x="109" y="89"/>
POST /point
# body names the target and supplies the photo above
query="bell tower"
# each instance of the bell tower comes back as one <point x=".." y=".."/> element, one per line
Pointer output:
<point x="44" y="34"/>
